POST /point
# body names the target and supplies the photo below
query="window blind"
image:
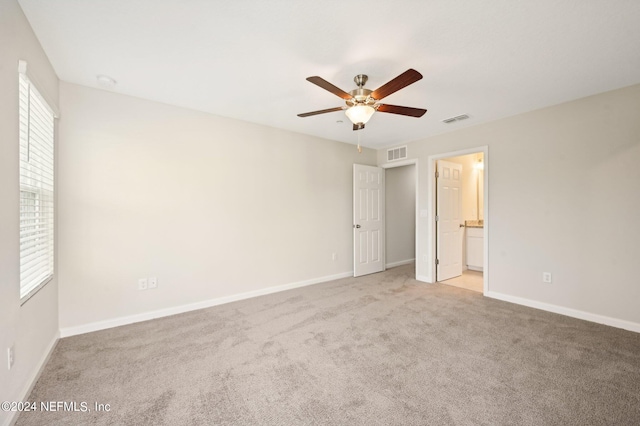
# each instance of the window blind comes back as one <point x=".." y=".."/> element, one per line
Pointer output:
<point x="36" y="189"/>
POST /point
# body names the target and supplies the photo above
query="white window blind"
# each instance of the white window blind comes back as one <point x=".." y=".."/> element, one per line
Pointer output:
<point x="36" y="189"/>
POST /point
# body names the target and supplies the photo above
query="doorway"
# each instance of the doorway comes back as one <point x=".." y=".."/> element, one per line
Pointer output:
<point x="401" y="213"/>
<point x="458" y="211"/>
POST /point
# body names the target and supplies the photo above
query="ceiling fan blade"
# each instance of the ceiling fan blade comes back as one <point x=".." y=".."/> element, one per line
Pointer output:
<point x="322" y="111"/>
<point x="319" y="81"/>
<point x="402" y="110"/>
<point x="358" y="126"/>
<point x="408" y="77"/>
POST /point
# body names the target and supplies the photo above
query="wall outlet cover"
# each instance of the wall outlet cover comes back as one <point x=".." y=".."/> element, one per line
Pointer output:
<point x="153" y="282"/>
<point x="143" y="284"/>
<point x="546" y="277"/>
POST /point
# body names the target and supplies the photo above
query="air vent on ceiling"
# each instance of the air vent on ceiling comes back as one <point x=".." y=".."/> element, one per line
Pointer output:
<point x="399" y="153"/>
<point x="456" y="118"/>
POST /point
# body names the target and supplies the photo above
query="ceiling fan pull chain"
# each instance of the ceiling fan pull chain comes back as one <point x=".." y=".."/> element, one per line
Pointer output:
<point x="359" y="147"/>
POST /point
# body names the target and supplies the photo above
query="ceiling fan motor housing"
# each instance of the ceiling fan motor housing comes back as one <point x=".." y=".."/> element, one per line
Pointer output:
<point x="361" y="97"/>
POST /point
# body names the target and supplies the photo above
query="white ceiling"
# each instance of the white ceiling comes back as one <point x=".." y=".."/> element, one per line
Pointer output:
<point x="248" y="59"/>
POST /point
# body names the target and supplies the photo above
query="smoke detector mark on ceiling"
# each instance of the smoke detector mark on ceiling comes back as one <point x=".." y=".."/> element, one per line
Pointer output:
<point x="106" y="81"/>
<point x="456" y="118"/>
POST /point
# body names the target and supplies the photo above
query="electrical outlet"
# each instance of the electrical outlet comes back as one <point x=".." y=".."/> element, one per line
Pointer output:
<point x="143" y="284"/>
<point x="546" y="277"/>
<point x="10" y="357"/>
<point x="153" y="282"/>
<point x="334" y="256"/>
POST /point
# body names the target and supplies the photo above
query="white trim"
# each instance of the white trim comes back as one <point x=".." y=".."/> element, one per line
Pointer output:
<point x="26" y="391"/>
<point x="485" y="217"/>
<point x="399" y="163"/>
<point x="574" y="313"/>
<point x="130" y="319"/>
<point x="399" y="263"/>
<point x="48" y="100"/>
<point x="423" y="278"/>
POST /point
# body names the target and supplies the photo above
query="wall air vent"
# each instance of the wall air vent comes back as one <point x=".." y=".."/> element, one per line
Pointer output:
<point x="394" y="154"/>
<point x="456" y="118"/>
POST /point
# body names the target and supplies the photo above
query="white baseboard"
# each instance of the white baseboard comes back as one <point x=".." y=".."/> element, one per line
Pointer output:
<point x="399" y="263"/>
<point x="116" y="322"/>
<point x="26" y="391"/>
<point x="574" y="313"/>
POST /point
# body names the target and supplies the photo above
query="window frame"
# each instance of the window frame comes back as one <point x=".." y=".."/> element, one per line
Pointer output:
<point x="36" y="165"/>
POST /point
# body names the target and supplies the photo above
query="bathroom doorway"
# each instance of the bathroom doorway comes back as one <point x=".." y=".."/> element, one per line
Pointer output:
<point x="459" y="210"/>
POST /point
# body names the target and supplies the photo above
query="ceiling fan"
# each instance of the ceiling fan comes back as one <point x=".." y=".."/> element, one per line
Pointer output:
<point x="361" y="103"/>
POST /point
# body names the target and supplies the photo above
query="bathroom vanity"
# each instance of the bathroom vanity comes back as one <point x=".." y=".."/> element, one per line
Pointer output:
<point x="475" y="244"/>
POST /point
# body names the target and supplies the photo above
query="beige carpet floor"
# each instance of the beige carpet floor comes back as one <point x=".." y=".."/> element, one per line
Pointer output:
<point x="376" y="350"/>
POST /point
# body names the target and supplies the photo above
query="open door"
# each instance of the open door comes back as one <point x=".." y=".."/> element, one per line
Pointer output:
<point x="368" y="220"/>
<point x="449" y="220"/>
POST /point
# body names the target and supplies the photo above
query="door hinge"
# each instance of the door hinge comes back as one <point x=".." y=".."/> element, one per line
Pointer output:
<point x="437" y="174"/>
<point x="437" y="218"/>
<point x="437" y="261"/>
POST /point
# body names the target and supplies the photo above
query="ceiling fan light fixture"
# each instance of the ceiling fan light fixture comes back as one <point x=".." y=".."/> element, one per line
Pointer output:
<point x="360" y="114"/>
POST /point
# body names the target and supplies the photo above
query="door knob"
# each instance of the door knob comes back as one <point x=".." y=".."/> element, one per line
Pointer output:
<point x="462" y="225"/>
<point x="356" y="226"/>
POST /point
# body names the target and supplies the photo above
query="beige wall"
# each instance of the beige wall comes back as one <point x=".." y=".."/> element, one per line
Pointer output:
<point x="563" y="198"/>
<point x="400" y="213"/>
<point x="32" y="328"/>
<point x="211" y="206"/>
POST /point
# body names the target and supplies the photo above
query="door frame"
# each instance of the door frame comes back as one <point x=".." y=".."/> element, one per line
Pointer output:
<point x="431" y="210"/>
<point x="402" y="163"/>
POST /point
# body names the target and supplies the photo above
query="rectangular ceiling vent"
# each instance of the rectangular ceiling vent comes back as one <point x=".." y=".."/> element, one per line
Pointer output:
<point x="399" y="153"/>
<point x="456" y="118"/>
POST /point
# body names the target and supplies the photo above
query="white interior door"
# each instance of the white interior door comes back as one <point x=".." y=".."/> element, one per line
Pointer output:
<point x="368" y="220"/>
<point x="448" y="220"/>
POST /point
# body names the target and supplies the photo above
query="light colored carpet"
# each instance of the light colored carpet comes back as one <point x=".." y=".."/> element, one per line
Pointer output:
<point x="376" y="350"/>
